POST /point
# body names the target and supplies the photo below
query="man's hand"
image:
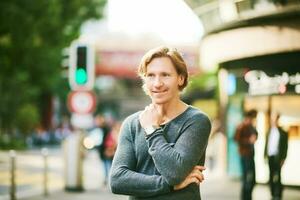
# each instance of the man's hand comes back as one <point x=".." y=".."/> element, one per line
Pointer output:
<point x="151" y="116"/>
<point x="195" y="176"/>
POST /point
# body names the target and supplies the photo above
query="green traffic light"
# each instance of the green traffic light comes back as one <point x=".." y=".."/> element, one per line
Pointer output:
<point x="80" y="76"/>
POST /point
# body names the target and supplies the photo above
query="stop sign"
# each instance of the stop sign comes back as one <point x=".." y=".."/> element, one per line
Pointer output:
<point x="81" y="102"/>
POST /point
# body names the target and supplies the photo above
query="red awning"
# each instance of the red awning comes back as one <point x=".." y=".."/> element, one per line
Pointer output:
<point x="125" y="63"/>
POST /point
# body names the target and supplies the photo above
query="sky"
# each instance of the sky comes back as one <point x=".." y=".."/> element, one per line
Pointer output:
<point x="171" y="20"/>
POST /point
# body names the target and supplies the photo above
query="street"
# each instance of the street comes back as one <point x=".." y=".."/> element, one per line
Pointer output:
<point x="30" y="179"/>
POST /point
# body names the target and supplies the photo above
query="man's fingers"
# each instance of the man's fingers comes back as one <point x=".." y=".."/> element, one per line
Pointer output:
<point x="147" y="107"/>
<point x="197" y="175"/>
<point x="141" y="115"/>
<point x="199" y="167"/>
<point x="195" y="180"/>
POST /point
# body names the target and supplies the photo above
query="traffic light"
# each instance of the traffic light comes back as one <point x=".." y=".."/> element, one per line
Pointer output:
<point x="82" y="66"/>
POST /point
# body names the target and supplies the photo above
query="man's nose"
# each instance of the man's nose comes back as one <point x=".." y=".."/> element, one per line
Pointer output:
<point x="158" y="82"/>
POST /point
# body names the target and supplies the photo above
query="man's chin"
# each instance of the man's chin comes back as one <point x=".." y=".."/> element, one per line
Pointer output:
<point x="158" y="101"/>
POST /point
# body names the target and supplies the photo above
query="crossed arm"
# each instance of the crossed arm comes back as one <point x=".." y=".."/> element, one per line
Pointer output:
<point x="183" y="158"/>
<point x="185" y="154"/>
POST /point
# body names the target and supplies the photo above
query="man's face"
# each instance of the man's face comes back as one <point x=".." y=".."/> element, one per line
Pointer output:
<point x="162" y="80"/>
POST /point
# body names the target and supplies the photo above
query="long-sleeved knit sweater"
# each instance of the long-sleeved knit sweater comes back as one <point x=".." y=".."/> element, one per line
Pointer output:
<point x="149" y="168"/>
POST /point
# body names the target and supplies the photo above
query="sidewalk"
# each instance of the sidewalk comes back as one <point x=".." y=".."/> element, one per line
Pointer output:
<point x="95" y="194"/>
<point x="227" y="189"/>
<point x="215" y="189"/>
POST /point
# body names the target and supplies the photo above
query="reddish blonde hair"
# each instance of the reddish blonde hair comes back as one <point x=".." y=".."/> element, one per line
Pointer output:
<point x="175" y="57"/>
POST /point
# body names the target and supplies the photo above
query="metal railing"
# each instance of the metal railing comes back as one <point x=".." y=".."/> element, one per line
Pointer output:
<point x="27" y="174"/>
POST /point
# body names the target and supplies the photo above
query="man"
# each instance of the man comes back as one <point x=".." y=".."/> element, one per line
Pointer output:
<point x="246" y="136"/>
<point x="161" y="148"/>
<point x="276" y="151"/>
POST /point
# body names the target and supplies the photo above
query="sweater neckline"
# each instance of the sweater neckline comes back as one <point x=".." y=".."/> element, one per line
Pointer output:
<point x="177" y="117"/>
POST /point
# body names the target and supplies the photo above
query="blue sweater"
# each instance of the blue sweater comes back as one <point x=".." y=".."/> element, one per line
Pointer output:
<point x="149" y="168"/>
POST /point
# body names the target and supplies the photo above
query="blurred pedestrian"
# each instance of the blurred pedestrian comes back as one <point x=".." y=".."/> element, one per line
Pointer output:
<point x="106" y="159"/>
<point x="161" y="148"/>
<point x="63" y="130"/>
<point x="276" y="152"/>
<point x="246" y="136"/>
<point x="110" y="146"/>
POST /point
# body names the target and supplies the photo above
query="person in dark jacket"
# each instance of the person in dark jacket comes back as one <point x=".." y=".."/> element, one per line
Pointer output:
<point x="276" y="152"/>
<point x="246" y="136"/>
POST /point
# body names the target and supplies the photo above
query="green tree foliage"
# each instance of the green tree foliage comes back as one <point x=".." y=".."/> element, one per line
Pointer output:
<point x="202" y="86"/>
<point x="27" y="118"/>
<point x="202" y="82"/>
<point x="32" y="36"/>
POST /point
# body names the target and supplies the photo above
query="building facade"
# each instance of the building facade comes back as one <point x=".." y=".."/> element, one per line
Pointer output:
<point x="255" y="48"/>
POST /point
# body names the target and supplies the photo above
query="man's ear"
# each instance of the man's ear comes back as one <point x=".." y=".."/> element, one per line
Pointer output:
<point x="180" y="80"/>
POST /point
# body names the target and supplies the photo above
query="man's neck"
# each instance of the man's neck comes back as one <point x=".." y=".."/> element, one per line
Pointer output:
<point x="171" y="110"/>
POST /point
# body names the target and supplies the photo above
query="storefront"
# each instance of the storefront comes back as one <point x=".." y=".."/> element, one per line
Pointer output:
<point x="268" y="84"/>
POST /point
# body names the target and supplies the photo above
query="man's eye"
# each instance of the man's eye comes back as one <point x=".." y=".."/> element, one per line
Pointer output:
<point x="150" y="75"/>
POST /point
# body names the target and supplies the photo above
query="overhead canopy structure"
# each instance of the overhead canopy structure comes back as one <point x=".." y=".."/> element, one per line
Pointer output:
<point x="248" y="42"/>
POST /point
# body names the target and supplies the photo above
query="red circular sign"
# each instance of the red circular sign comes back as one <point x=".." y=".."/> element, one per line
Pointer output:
<point x="81" y="102"/>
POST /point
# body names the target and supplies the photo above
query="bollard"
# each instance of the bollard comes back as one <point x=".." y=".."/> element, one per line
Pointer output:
<point x="74" y="152"/>
<point x="12" y="155"/>
<point x="45" y="153"/>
